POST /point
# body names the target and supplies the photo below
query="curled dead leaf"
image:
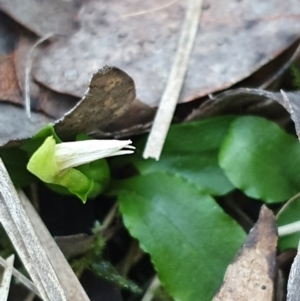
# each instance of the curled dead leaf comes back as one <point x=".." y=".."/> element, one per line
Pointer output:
<point x="252" y="273"/>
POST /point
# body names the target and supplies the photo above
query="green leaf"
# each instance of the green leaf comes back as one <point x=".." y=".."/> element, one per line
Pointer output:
<point x="290" y="214"/>
<point x="190" y="239"/>
<point x="261" y="159"/>
<point x="191" y="151"/>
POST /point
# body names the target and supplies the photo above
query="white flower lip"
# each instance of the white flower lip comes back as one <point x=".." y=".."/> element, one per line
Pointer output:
<point x="72" y="154"/>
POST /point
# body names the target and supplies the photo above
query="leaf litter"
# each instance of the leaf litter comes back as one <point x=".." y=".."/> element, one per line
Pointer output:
<point x="222" y="50"/>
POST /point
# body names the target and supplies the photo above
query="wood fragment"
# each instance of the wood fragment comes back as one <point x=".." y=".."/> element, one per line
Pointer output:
<point x="252" y="273"/>
<point x="171" y="94"/>
<point x="5" y="284"/>
<point x="21" y="278"/>
<point x="22" y="234"/>
<point x="67" y="279"/>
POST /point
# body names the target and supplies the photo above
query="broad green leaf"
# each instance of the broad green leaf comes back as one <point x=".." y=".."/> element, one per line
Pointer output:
<point x="290" y="214"/>
<point x="191" y="151"/>
<point x="261" y="159"/>
<point x="190" y="239"/>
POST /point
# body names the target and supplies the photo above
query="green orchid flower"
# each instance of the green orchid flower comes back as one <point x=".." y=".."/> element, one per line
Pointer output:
<point x="76" y="167"/>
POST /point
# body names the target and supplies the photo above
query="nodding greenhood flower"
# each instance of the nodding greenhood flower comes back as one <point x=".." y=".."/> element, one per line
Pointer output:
<point x="55" y="164"/>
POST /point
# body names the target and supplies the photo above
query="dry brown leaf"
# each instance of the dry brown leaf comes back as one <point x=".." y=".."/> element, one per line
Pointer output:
<point x="42" y="99"/>
<point x="233" y="41"/>
<point x="9" y="86"/>
<point x="15" y="125"/>
<point x="136" y="120"/>
<point x="244" y="101"/>
<point x="56" y="105"/>
<point x="110" y="93"/>
<point x="273" y="73"/>
<point x="292" y="104"/>
<point x="43" y="17"/>
<point x="251" y="275"/>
